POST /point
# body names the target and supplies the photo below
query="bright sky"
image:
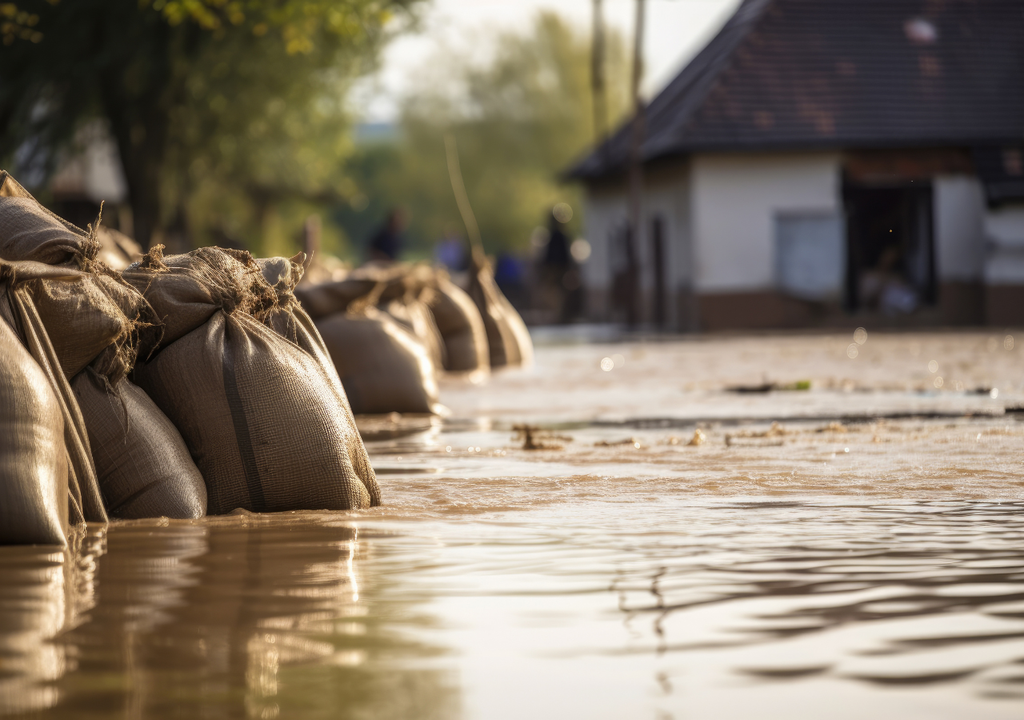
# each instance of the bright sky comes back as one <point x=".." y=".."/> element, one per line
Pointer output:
<point x="675" y="30"/>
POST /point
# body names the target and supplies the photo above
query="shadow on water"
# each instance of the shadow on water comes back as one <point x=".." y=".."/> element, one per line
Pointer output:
<point x="251" y="616"/>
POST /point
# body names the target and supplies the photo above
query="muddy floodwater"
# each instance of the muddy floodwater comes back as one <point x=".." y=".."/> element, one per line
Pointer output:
<point x="795" y="527"/>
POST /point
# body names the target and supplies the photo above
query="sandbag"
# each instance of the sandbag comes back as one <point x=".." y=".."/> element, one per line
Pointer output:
<point x="330" y="298"/>
<point x="84" y="501"/>
<point x="142" y="464"/>
<point x="117" y="251"/>
<point x="257" y="413"/>
<point x="85" y="318"/>
<point x="185" y="290"/>
<point x="33" y="460"/>
<point x="412" y="313"/>
<point x="383" y="367"/>
<point x="28" y="231"/>
<point x="290" y="321"/>
<point x="507" y="337"/>
<point x="460" y="326"/>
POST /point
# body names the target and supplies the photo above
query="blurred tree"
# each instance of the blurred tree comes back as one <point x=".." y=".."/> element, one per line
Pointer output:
<point x="232" y="102"/>
<point x="520" y="118"/>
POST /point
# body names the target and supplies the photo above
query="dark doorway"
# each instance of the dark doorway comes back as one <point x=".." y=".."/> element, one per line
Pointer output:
<point x="890" y="249"/>
<point x="660" y="300"/>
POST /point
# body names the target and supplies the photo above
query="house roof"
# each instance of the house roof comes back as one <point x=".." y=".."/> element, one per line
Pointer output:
<point x="790" y="74"/>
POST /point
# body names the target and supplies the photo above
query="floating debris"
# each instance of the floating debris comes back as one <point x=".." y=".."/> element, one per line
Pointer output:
<point x="534" y="438"/>
<point x="617" y="443"/>
<point x="767" y="387"/>
<point x="833" y="427"/>
<point x="775" y="430"/>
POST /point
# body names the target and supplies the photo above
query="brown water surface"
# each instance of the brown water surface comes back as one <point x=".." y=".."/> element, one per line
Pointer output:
<point x="817" y="567"/>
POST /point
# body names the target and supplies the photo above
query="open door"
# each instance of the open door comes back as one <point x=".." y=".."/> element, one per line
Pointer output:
<point x="890" y="264"/>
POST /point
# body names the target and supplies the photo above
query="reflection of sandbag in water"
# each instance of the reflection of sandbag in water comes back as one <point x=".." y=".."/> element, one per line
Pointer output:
<point x="507" y="337"/>
<point x="258" y="415"/>
<point x="18" y="311"/>
<point x="33" y="461"/>
<point x="383" y="366"/>
<point x="460" y="326"/>
<point x="290" y="321"/>
<point x="142" y="463"/>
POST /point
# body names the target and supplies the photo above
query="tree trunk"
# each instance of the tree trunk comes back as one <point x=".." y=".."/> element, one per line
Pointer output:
<point x="137" y="111"/>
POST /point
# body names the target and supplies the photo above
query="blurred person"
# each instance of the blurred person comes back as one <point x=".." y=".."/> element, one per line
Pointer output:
<point x="558" y="272"/>
<point x="884" y="286"/>
<point x="510" y="274"/>
<point x="386" y="243"/>
<point x="450" y="251"/>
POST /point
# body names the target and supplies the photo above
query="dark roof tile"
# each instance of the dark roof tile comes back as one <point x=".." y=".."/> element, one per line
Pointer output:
<point x="841" y="73"/>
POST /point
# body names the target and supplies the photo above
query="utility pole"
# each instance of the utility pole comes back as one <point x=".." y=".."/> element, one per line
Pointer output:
<point x="636" y="176"/>
<point x="597" y="75"/>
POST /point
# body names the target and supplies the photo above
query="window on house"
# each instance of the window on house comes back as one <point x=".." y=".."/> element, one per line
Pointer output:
<point x="809" y="255"/>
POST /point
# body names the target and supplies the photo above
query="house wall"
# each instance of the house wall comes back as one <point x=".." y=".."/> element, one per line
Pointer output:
<point x="606" y="215"/>
<point x="1004" y="265"/>
<point x="736" y="199"/>
<point x="959" y="233"/>
<point x="720" y="216"/>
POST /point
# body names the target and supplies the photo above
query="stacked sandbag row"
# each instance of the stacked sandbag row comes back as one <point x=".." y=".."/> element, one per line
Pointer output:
<point x="382" y="339"/>
<point x="264" y="419"/>
<point x="241" y="418"/>
<point x="362" y="318"/>
<point x="65" y="315"/>
<point x="507" y="337"/>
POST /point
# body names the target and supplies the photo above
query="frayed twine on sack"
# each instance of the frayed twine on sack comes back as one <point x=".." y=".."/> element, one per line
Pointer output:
<point x="360" y="305"/>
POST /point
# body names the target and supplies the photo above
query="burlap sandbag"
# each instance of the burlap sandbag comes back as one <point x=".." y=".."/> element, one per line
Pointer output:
<point x="460" y="326"/>
<point x="383" y="367"/>
<point x="413" y="314"/>
<point x="85" y="318"/>
<point x="82" y="318"/>
<point x="507" y="337"/>
<point x="290" y="321"/>
<point x="330" y="298"/>
<point x="260" y="419"/>
<point x="18" y="311"/>
<point x="28" y="231"/>
<point x="117" y="250"/>
<point x="142" y="463"/>
<point x="33" y="460"/>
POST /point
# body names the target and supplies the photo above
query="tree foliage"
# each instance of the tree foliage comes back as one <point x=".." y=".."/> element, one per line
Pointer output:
<point x="519" y="119"/>
<point x="230" y="104"/>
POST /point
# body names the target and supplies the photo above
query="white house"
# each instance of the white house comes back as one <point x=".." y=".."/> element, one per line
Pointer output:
<point x="825" y="161"/>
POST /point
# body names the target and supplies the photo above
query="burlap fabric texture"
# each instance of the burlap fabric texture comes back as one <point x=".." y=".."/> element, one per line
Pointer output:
<point x="383" y="367"/>
<point x="460" y="326"/>
<point x="507" y="337"/>
<point x="143" y="465"/>
<point x="291" y="322"/>
<point x="70" y="466"/>
<point x="28" y="231"/>
<point x="420" y="298"/>
<point x="33" y="461"/>
<point x="258" y="415"/>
